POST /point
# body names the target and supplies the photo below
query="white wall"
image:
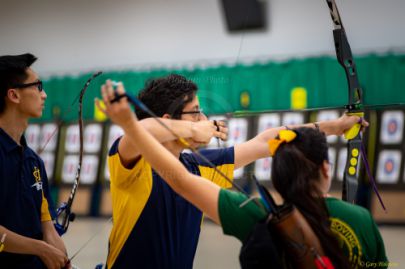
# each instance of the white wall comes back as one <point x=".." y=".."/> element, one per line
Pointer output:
<point x="78" y="35"/>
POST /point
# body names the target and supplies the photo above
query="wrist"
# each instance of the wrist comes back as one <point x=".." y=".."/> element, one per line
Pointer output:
<point x="193" y="128"/>
<point x="327" y="127"/>
<point x="38" y="247"/>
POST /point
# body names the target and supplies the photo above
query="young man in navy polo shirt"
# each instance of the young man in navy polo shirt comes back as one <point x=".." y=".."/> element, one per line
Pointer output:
<point x="28" y="238"/>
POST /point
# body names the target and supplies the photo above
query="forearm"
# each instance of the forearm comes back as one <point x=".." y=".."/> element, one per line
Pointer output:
<point x="181" y="128"/>
<point x="15" y="243"/>
<point x="257" y="147"/>
<point x="129" y="151"/>
<point x="327" y="127"/>
<point x="52" y="237"/>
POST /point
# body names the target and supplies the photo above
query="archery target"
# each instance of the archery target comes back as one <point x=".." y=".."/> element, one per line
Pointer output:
<point x="328" y="115"/>
<point x="49" y="162"/>
<point x="392" y="125"/>
<point x="114" y="133"/>
<point x="106" y="172"/>
<point x="293" y="118"/>
<point x="88" y="173"/>
<point x="92" y="138"/>
<point x="214" y="142"/>
<point x="72" y="142"/>
<point x="69" y="168"/>
<point x="332" y="161"/>
<point x="341" y="163"/>
<point x="32" y="136"/>
<point x="49" y="136"/>
<point x="238" y="129"/>
<point x="267" y="121"/>
<point x="389" y="165"/>
<point x="263" y="168"/>
<point x="238" y="173"/>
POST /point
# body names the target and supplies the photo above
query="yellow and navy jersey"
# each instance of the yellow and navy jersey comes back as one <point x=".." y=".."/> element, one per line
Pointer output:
<point x="24" y="196"/>
<point x="154" y="227"/>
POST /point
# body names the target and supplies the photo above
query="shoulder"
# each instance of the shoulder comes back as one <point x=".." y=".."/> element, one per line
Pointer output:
<point x="338" y="207"/>
<point x="238" y="214"/>
<point x="216" y="156"/>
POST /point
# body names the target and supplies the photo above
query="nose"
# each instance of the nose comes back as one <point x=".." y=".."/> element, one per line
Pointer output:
<point x="43" y="94"/>
<point x="203" y="116"/>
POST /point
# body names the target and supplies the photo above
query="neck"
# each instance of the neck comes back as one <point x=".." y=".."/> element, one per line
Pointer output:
<point x="13" y="125"/>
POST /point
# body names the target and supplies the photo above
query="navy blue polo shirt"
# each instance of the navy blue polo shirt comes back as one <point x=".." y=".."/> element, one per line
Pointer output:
<point x="22" y="180"/>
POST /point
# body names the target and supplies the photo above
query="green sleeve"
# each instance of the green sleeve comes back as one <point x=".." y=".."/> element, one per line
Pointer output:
<point x="235" y="220"/>
<point x="381" y="257"/>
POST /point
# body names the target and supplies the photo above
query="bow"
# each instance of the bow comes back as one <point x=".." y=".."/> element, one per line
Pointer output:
<point x="355" y="146"/>
<point x="345" y="59"/>
<point x="64" y="212"/>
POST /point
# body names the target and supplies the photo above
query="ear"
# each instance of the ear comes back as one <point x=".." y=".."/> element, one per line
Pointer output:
<point x="325" y="169"/>
<point x="166" y="116"/>
<point x="13" y="95"/>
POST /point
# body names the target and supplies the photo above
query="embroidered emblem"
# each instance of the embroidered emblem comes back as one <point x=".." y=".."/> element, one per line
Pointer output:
<point x="348" y="241"/>
<point x="37" y="176"/>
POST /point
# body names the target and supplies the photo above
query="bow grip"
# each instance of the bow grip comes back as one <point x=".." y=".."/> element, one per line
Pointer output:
<point x="355" y="129"/>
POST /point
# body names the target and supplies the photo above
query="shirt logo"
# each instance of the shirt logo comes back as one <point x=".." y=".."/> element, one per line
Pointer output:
<point x="37" y="176"/>
<point x="348" y="241"/>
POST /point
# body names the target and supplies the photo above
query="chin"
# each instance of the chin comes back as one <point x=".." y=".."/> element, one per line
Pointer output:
<point x="36" y="115"/>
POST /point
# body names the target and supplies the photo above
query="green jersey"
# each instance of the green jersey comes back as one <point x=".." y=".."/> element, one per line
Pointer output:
<point x="353" y="225"/>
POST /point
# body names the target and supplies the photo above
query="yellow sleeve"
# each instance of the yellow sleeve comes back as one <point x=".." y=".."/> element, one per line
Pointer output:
<point x="45" y="215"/>
<point x="122" y="177"/>
<point x="212" y="175"/>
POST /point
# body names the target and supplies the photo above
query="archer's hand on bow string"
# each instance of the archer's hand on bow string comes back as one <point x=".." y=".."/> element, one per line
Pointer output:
<point x="204" y="130"/>
<point x="118" y="111"/>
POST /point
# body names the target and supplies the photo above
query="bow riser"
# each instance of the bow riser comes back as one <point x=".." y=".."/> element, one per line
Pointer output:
<point x="344" y="56"/>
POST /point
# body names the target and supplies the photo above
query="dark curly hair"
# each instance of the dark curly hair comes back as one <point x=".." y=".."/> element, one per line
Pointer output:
<point x="13" y="71"/>
<point x="166" y="95"/>
<point x="295" y="175"/>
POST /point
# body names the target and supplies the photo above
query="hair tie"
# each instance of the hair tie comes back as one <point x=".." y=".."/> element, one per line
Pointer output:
<point x="284" y="136"/>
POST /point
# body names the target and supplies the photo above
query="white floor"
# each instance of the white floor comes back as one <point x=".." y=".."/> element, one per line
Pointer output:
<point x="214" y="251"/>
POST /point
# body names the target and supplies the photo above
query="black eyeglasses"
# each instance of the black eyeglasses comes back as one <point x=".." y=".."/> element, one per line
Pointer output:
<point x="195" y="113"/>
<point x="36" y="83"/>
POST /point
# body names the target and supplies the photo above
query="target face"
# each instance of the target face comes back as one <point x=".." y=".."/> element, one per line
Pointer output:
<point x="49" y="137"/>
<point x="88" y="173"/>
<point x="389" y="165"/>
<point x="328" y="115"/>
<point x="238" y="129"/>
<point x="267" y="121"/>
<point x="72" y="142"/>
<point x="332" y="161"/>
<point x="106" y="172"/>
<point x="238" y="173"/>
<point x="392" y="125"/>
<point x="341" y="163"/>
<point x="293" y="118"/>
<point x="92" y="138"/>
<point x="32" y="136"/>
<point x="263" y="169"/>
<point x="49" y="162"/>
<point x="114" y="133"/>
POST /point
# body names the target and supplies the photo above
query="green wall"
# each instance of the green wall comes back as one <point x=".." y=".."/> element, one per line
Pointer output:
<point x="382" y="79"/>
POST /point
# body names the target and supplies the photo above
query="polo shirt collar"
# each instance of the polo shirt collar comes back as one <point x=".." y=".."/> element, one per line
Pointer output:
<point x="8" y="143"/>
